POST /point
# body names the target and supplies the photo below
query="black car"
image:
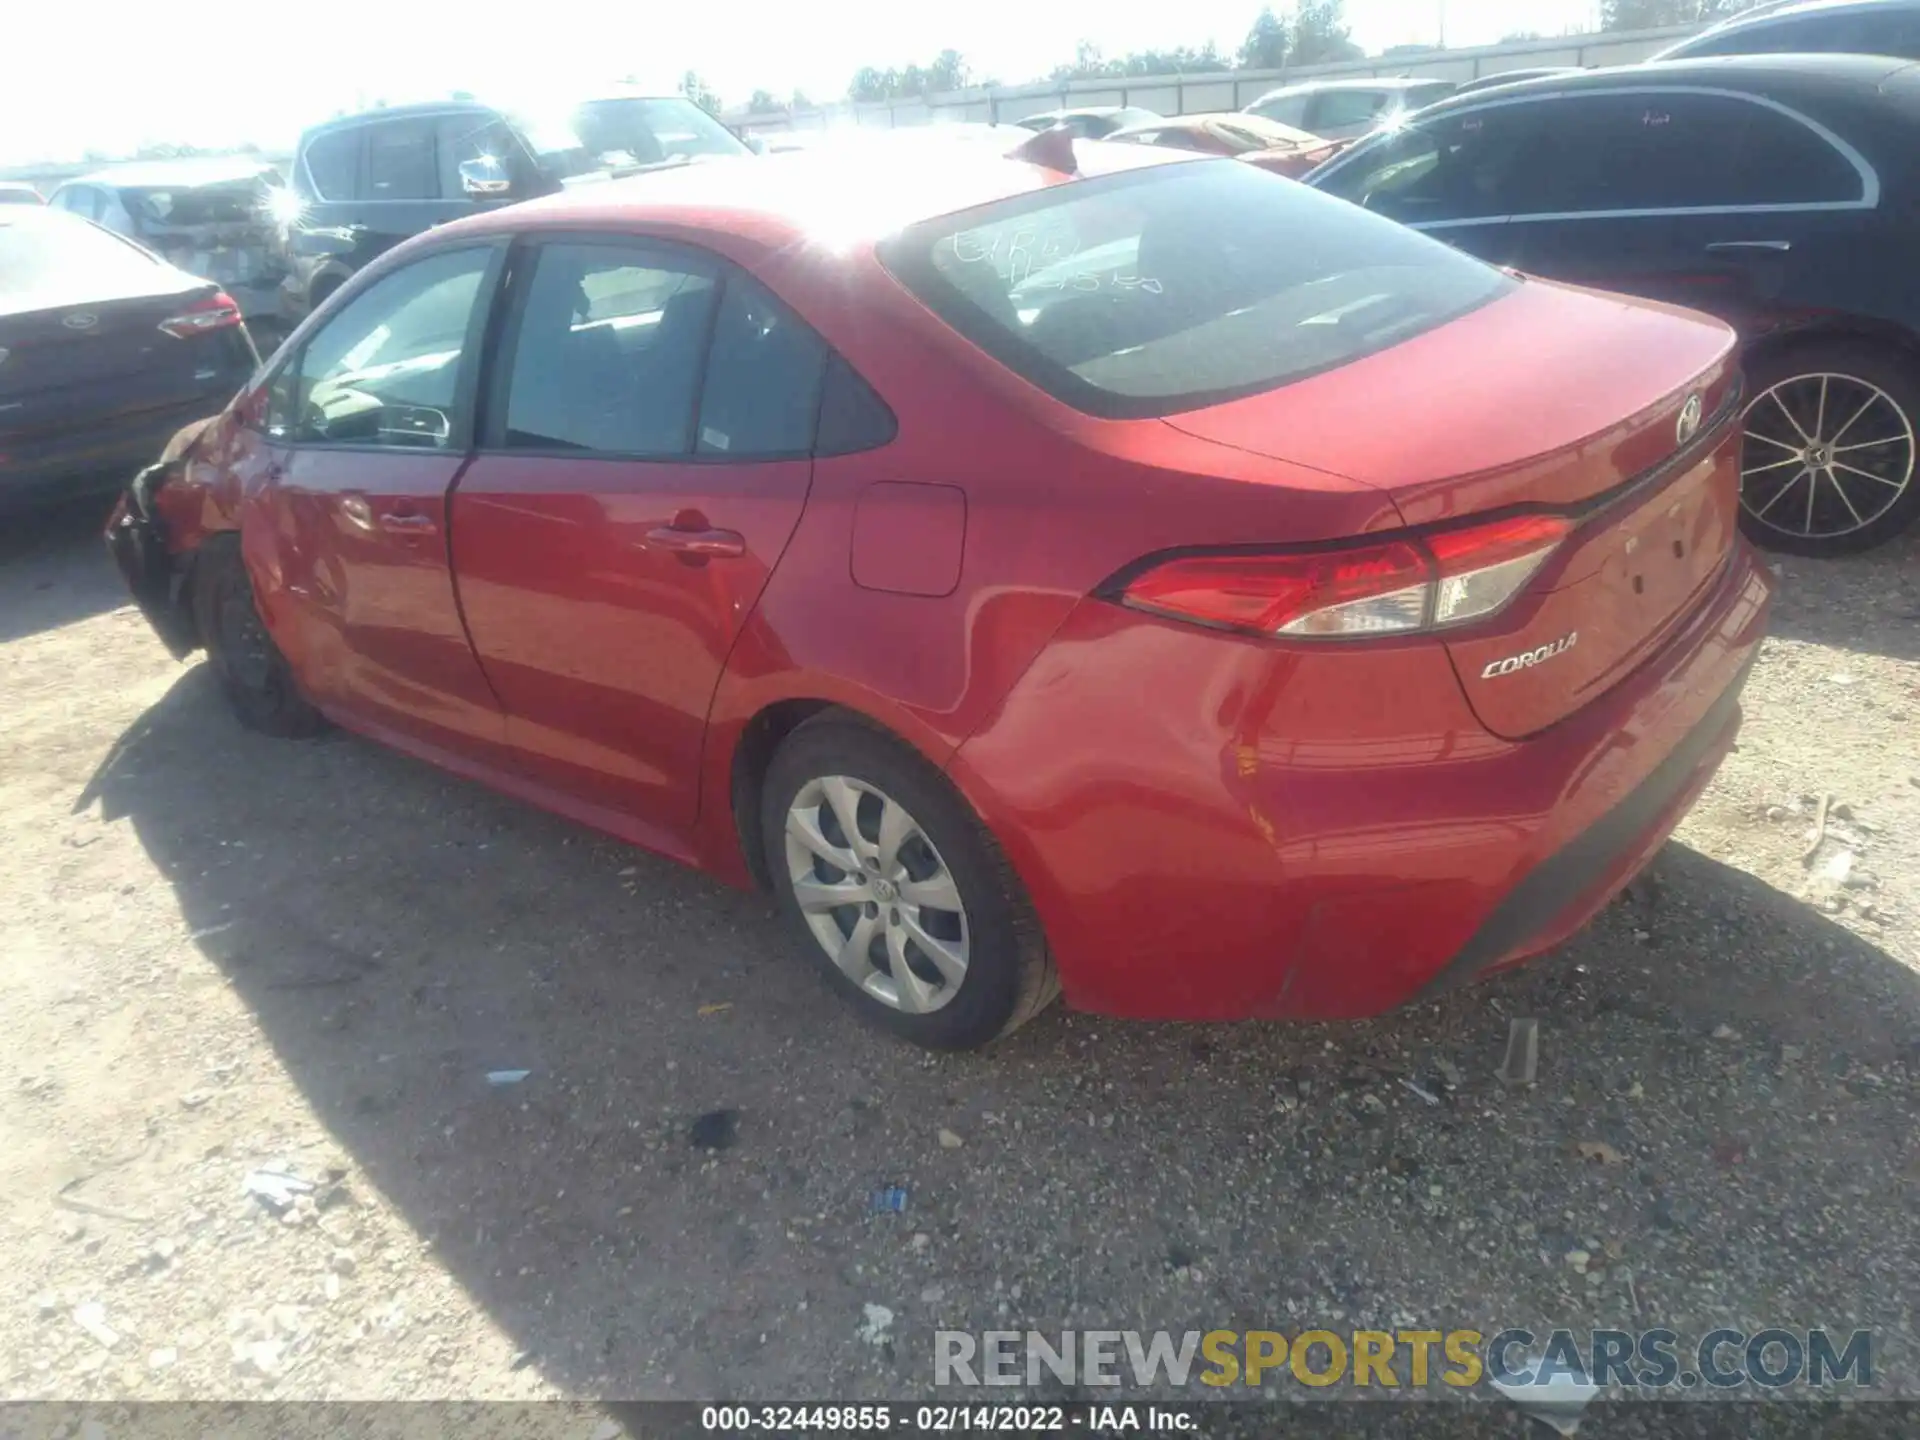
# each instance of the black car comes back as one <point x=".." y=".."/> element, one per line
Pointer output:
<point x="211" y="217"/>
<point x="1829" y="27"/>
<point x="1777" y="192"/>
<point x="105" y="351"/>
<point x="362" y="184"/>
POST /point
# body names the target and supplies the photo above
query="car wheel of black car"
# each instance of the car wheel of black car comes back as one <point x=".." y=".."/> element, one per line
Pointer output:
<point x="898" y="891"/>
<point x="1828" y="463"/>
<point x="251" y="670"/>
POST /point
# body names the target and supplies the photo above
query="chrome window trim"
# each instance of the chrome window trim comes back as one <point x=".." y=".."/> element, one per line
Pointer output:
<point x="1869" y="177"/>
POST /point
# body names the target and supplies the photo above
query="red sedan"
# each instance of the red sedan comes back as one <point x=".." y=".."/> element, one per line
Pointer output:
<point x="1037" y="573"/>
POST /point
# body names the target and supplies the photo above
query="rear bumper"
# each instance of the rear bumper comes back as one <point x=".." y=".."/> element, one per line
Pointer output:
<point x="41" y="472"/>
<point x="1240" y="830"/>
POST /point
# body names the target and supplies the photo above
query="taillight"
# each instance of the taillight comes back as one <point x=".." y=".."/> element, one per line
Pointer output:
<point x="216" y="312"/>
<point x="1400" y="586"/>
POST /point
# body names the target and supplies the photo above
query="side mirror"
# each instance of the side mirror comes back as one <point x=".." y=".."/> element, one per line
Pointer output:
<point x="485" y="175"/>
<point x="754" y="143"/>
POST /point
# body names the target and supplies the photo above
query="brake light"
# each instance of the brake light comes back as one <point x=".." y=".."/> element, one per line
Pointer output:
<point x="216" y="312"/>
<point x="1400" y="586"/>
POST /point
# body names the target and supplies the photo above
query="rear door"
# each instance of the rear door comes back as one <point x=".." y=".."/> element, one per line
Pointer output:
<point x="1719" y="202"/>
<point x="381" y="422"/>
<point x="647" y="456"/>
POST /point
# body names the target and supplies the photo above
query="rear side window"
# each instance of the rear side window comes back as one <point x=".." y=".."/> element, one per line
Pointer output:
<point x="1334" y="108"/>
<point x="1664" y="152"/>
<point x="400" y="161"/>
<point x="1165" y="290"/>
<point x="606" y="351"/>
<point x="762" y="391"/>
<point x="333" y="162"/>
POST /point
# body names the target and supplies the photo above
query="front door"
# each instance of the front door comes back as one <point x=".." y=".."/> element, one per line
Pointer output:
<point x="379" y="423"/>
<point x="647" y="457"/>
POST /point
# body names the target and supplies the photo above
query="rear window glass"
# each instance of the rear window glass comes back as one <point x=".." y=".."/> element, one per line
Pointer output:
<point x="44" y="249"/>
<point x="236" y="202"/>
<point x="1184" y="286"/>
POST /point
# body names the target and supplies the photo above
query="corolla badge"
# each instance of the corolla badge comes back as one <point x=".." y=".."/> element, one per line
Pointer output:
<point x="80" y="320"/>
<point x="1688" y="425"/>
<point x="1531" y="658"/>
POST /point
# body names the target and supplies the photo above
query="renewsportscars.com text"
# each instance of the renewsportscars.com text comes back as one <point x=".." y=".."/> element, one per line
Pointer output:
<point x="1654" y="1359"/>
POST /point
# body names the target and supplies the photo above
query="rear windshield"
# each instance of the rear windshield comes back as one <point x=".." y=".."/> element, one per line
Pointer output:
<point x="1182" y="286"/>
<point x="230" y="203"/>
<point x="45" y="249"/>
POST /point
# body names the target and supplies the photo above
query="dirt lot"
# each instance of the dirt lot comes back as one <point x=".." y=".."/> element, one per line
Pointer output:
<point x="226" y="955"/>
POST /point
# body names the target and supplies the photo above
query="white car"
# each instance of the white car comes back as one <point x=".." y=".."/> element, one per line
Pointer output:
<point x="1343" y="109"/>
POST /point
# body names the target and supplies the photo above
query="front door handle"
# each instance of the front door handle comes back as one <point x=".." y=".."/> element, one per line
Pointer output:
<point x="1734" y="247"/>
<point x="408" y="523"/>
<point x="699" y="544"/>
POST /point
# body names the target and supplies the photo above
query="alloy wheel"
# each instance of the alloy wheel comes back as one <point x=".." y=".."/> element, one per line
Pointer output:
<point x="876" y="894"/>
<point x="1826" y="455"/>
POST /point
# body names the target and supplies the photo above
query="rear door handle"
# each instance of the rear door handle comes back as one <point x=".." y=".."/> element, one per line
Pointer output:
<point x="1734" y="247"/>
<point x="699" y="544"/>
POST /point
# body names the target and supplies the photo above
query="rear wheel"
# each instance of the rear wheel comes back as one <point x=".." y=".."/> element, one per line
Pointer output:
<point x="1828" y="464"/>
<point x="253" y="674"/>
<point x="898" y="891"/>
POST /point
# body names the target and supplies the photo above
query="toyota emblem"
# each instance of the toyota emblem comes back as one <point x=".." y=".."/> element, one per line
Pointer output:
<point x="83" y="320"/>
<point x="1688" y="425"/>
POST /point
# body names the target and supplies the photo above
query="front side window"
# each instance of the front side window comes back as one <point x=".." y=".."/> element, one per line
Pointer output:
<point x="1160" y="291"/>
<point x="400" y="161"/>
<point x="1456" y="167"/>
<point x="606" y="352"/>
<point x="386" y="370"/>
<point x="333" y="162"/>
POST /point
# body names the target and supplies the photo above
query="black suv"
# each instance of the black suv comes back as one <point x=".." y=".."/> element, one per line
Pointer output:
<point x="362" y="184"/>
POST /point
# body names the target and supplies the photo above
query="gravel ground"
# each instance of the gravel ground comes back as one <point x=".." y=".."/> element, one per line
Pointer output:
<point x="226" y="955"/>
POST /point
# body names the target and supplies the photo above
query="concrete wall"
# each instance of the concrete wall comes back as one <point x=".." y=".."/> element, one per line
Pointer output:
<point x="1232" y="90"/>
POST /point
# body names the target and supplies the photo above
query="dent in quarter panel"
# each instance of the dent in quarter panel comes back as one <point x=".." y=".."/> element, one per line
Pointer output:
<point x="909" y="538"/>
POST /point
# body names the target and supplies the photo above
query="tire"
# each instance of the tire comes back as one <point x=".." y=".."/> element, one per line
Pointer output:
<point x="252" y="672"/>
<point x="1805" y="400"/>
<point x="940" y="851"/>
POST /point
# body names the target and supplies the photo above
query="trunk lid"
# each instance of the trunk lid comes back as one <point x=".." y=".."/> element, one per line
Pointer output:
<point x="80" y="364"/>
<point x="1551" y="398"/>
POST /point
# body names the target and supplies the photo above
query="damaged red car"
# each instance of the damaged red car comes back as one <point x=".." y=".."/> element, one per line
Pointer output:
<point x="1030" y="572"/>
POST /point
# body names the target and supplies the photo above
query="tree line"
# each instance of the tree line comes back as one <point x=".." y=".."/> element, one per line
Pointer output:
<point x="1312" y="32"/>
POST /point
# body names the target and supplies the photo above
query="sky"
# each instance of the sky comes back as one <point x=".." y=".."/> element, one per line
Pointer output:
<point x="257" y="72"/>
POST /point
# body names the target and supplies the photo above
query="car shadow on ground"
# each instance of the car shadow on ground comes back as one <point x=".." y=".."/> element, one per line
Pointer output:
<point x="41" y="585"/>
<point x="1740" y="1067"/>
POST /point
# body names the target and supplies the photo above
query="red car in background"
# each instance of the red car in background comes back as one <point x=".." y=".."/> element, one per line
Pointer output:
<point x="1035" y="576"/>
<point x="1252" y="138"/>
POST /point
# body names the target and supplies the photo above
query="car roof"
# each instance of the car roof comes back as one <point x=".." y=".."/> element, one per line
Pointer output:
<point x="428" y="109"/>
<point x="831" y="195"/>
<point x="1761" y="16"/>
<point x="182" y="174"/>
<point x="1839" y="75"/>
